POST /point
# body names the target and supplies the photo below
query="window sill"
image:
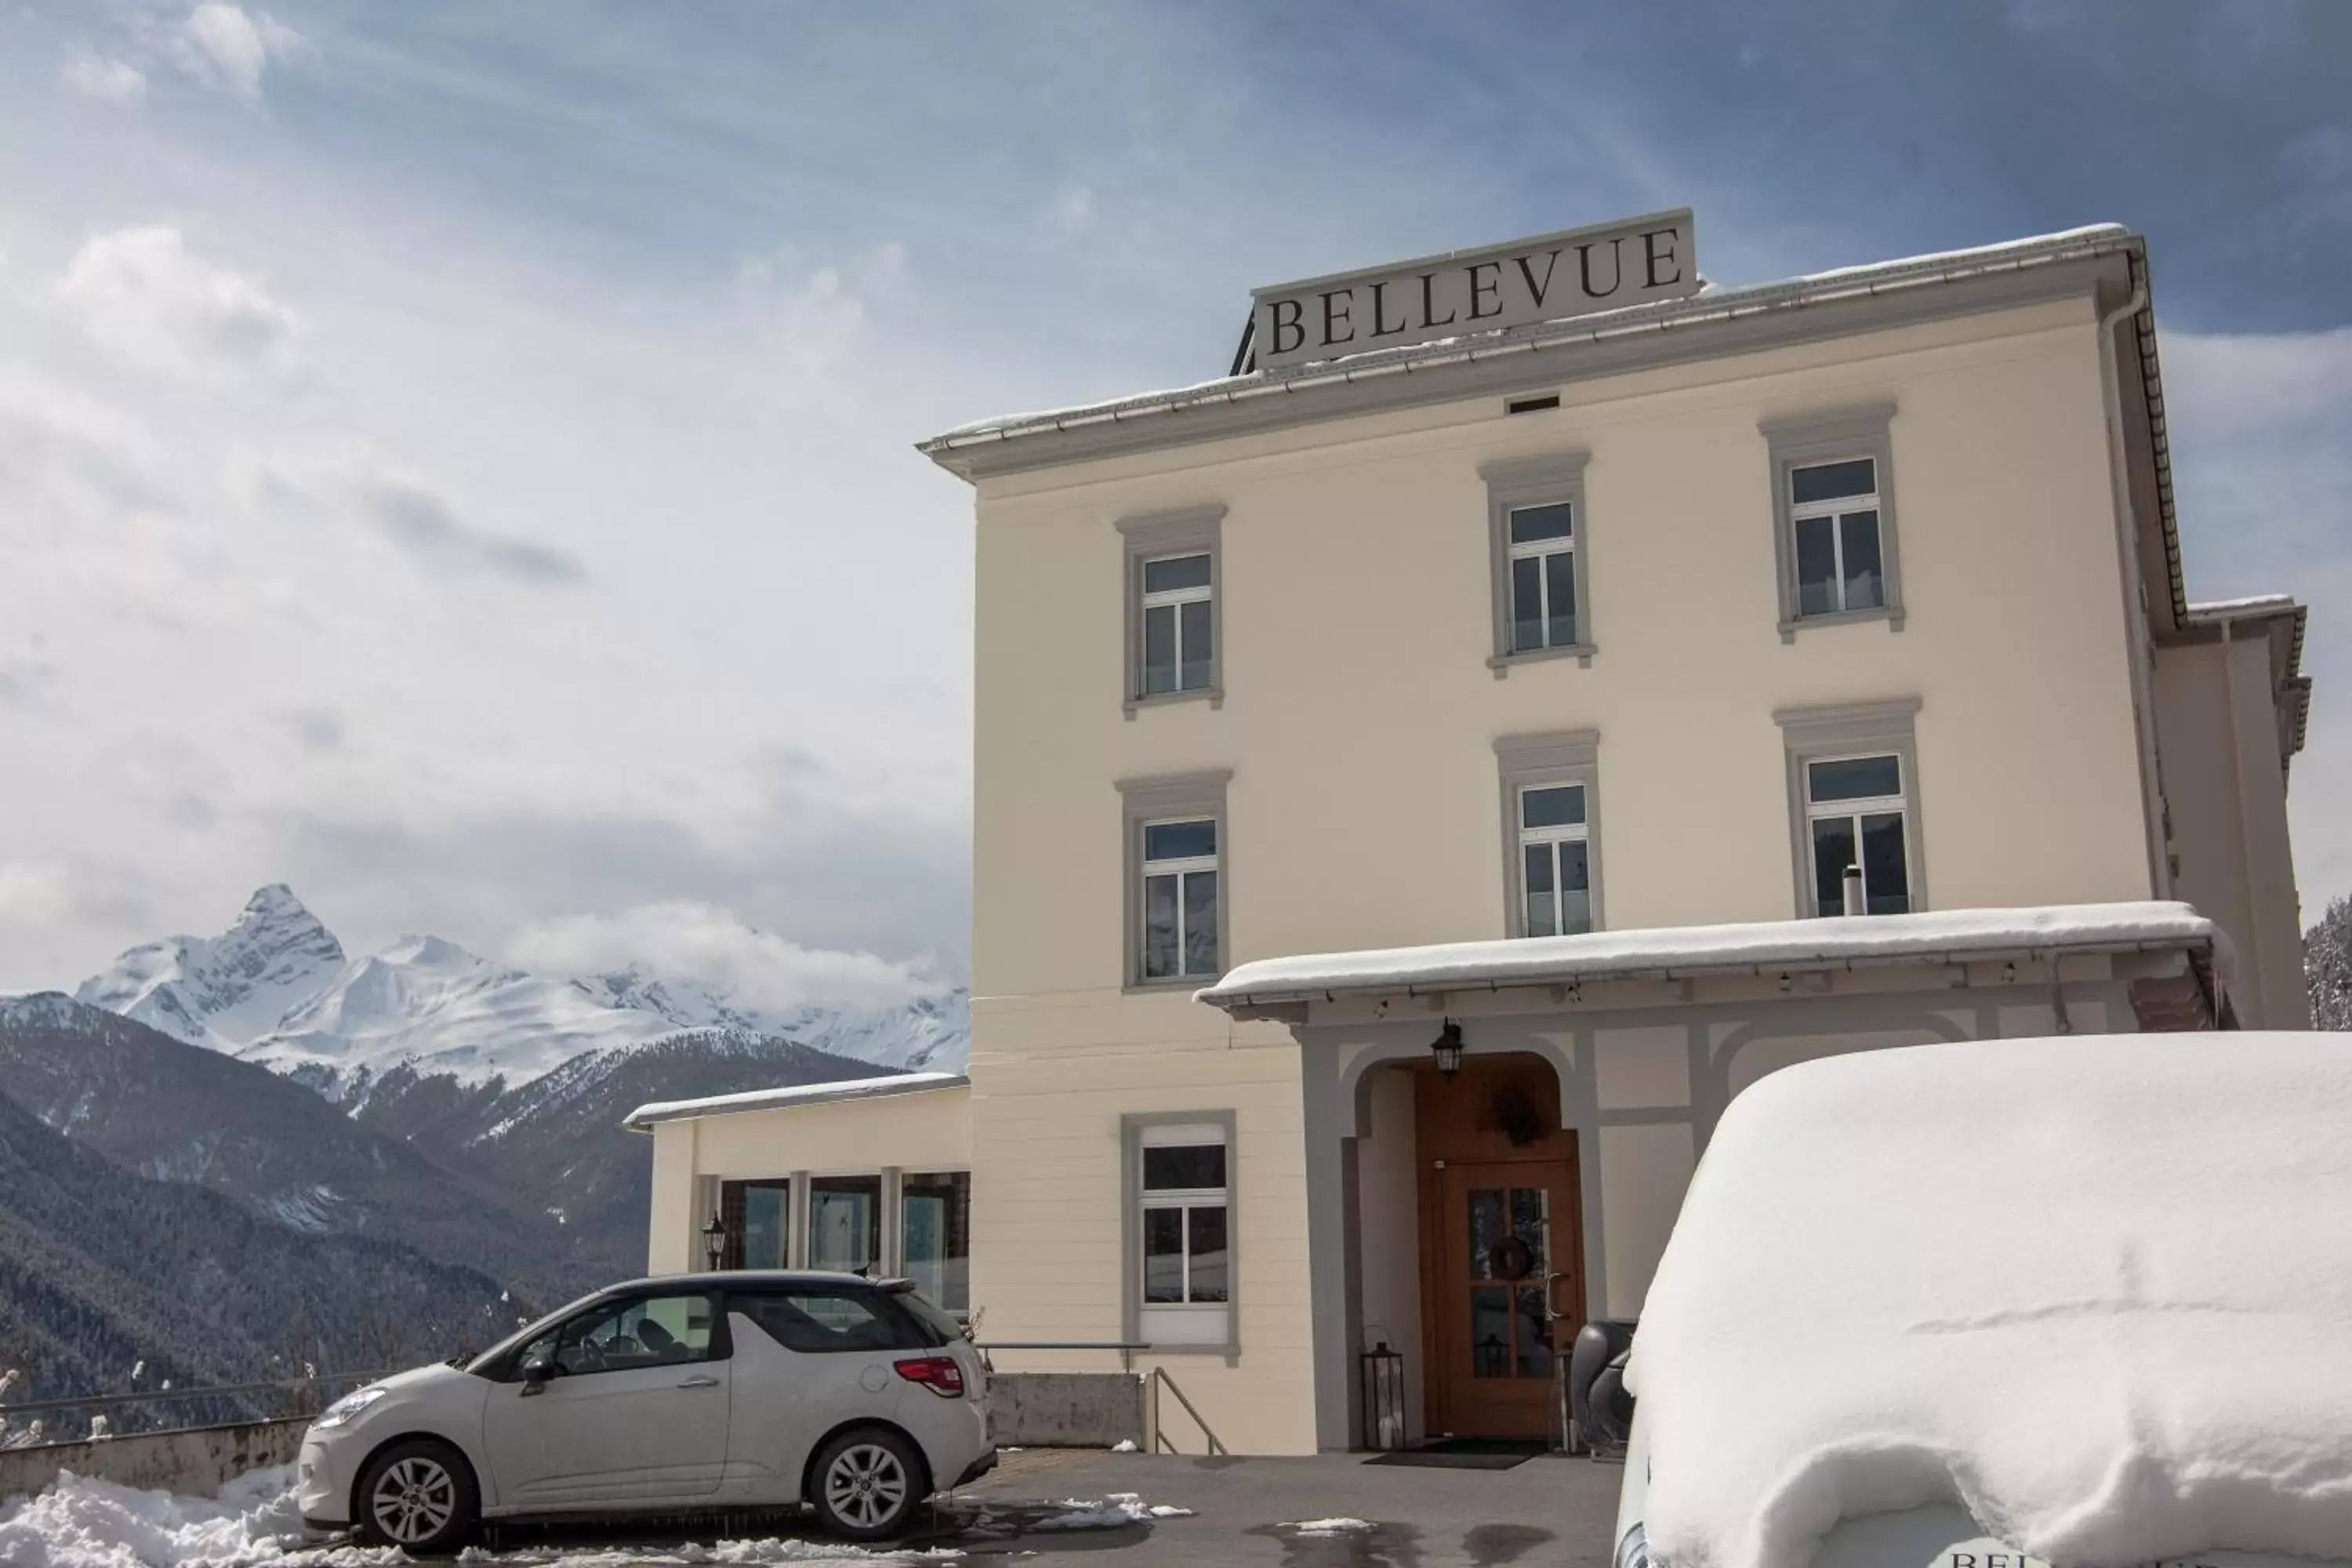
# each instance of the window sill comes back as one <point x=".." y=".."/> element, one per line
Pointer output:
<point x="1183" y="987"/>
<point x="1581" y="652"/>
<point x="1891" y="614"/>
<point x="1213" y="695"/>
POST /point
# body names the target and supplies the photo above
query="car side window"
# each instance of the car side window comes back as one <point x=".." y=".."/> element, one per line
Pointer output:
<point x="820" y="1323"/>
<point x="653" y="1331"/>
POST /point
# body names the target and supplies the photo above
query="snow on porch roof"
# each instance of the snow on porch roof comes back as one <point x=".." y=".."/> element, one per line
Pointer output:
<point x="1844" y="942"/>
<point x="643" y="1118"/>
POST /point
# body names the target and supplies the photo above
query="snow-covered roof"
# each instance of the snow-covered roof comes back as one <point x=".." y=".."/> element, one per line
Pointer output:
<point x="1672" y="952"/>
<point x="1710" y="305"/>
<point x="2094" y="1290"/>
<point x="644" y="1116"/>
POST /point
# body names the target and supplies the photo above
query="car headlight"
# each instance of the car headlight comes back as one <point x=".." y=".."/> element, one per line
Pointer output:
<point x="341" y="1411"/>
<point x="1634" y="1551"/>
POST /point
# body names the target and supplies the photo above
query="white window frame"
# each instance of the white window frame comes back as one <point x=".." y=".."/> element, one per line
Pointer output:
<point x="1843" y="733"/>
<point x="1173" y="601"/>
<point x="1817" y="440"/>
<point x="1551" y="838"/>
<point x="1540" y="761"/>
<point x="1179" y="867"/>
<point x="1171" y="536"/>
<point x="1851" y="812"/>
<point x="1190" y="1326"/>
<point x="1837" y="510"/>
<point x="1152" y="801"/>
<point x="1542" y="549"/>
<point x="1523" y="484"/>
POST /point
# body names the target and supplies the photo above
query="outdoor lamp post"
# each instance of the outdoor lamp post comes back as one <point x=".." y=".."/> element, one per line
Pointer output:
<point x="1447" y="1048"/>
<point x="714" y="1238"/>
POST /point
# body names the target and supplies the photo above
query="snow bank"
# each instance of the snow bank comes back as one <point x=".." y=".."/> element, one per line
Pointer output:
<point x="1330" y="1526"/>
<point x="1764" y="945"/>
<point x="2098" y="1291"/>
<point x="1109" y="1514"/>
<point x="253" y="1523"/>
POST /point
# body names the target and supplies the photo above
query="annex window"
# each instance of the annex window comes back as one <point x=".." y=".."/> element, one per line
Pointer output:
<point x="1181" y="1181"/>
<point x="1550" y="849"/>
<point x="1172" y="616"/>
<point x="758" y="1218"/>
<point x="845" y="1221"/>
<point x="1536" y="527"/>
<point x="1833" y="518"/>
<point x="1176" y="895"/>
<point x="1854" y="800"/>
<point x="935" y="1236"/>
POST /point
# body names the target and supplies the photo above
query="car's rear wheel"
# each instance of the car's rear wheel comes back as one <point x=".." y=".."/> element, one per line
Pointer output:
<point x="420" y="1496"/>
<point x="867" y="1484"/>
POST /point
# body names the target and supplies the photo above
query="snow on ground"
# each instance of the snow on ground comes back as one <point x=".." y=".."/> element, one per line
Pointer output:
<point x="1330" y="1526"/>
<point x="78" y="1522"/>
<point x="2096" y="1291"/>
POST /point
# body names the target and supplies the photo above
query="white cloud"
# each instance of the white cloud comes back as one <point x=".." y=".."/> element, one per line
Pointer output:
<point x="152" y="301"/>
<point x="226" y="49"/>
<point x="106" y="80"/>
<point x="1074" y="209"/>
<point x="2225" y="386"/>
<point x="31" y="892"/>
<point x="701" y="942"/>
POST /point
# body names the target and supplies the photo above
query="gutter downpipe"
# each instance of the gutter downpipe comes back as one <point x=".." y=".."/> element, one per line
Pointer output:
<point x="2142" y="656"/>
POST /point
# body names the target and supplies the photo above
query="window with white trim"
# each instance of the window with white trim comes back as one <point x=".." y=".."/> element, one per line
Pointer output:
<point x="1184" y="1192"/>
<point x="1834" y="519"/>
<point x="1555" y="874"/>
<point x="1857" y="817"/>
<point x="1179" y="893"/>
<point x="1178" y="626"/>
<point x="1541" y="547"/>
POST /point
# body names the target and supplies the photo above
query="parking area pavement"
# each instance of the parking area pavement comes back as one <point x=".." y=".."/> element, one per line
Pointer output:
<point x="1549" y="1511"/>
<point x="1331" y="1510"/>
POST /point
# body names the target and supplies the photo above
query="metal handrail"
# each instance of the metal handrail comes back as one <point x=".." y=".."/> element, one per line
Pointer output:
<point x="1126" y="1348"/>
<point x="162" y="1397"/>
<point x="1159" y="1379"/>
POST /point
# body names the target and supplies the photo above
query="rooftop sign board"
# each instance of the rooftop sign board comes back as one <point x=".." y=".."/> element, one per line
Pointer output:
<point x="1553" y="275"/>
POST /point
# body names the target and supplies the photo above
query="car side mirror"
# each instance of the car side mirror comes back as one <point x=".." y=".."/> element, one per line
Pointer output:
<point x="535" y="1374"/>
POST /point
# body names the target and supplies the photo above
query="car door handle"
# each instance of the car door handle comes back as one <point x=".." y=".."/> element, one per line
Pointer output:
<point x="699" y="1382"/>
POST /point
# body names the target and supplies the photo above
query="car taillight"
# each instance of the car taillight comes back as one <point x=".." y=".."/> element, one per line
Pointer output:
<point x="943" y="1376"/>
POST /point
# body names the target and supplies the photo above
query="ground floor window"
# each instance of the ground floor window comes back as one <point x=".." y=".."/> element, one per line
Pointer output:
<point x="1185" y="1202"/>
<point x="935" y="1234"/>
<point x="1855" y="807"/>
<point x="758" y="1219"/>
<point x="844" y="1223"/>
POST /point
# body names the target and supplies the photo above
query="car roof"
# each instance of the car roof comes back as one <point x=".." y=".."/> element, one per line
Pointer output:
<point x="755" y="1280"/>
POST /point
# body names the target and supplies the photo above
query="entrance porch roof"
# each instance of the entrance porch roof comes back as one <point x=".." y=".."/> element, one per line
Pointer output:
<point x="1767" y="947"/>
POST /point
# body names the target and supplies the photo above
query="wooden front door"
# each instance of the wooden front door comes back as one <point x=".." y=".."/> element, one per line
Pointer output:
<point x="1501" y="1247"/>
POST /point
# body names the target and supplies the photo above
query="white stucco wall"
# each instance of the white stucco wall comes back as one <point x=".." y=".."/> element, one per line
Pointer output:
<point x="1388" y="1194"/>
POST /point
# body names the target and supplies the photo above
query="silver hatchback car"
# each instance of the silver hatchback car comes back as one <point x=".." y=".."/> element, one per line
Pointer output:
<point x="857" y="1397"/>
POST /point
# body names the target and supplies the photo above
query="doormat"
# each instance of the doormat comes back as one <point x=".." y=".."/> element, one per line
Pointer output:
<point x="1465" y="1454"/>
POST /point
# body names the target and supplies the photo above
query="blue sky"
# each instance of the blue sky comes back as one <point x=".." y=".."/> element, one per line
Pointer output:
<point x="462" y="449"/>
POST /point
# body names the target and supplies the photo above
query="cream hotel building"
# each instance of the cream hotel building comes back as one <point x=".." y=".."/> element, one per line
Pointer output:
<point x="1421" y="777"/>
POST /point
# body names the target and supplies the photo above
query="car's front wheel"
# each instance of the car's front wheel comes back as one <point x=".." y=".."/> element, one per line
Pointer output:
<point x="868" y="1484"/>
<point x="420" y="1496"/>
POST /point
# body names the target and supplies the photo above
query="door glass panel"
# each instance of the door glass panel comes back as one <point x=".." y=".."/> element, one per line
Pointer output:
<point x="1531" y="1223"/>
<point x="1534" y="1342"/>
<point x="845" y="1222"/>
<point x="767" y="1220"/>
<point x="1485" y="1230"/>
<point x="1163" y="1254"/>
<point x="935" y="1234"/>
<point x="1205" y="1229"/>
<point x="1490" y="1331"/>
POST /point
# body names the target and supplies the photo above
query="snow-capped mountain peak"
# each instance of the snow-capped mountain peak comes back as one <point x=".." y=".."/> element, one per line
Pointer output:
<point x="278" y="988"/>
<point x="223" y="991"/>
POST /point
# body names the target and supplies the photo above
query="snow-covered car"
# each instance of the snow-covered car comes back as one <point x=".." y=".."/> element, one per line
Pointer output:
<point x="704" y="1392"/>
<point x="2081" y="1301"/>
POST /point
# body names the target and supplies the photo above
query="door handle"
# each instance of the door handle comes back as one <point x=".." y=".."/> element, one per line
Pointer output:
<point x="1551" y="1307"/>
<point x="699" y="1382"/>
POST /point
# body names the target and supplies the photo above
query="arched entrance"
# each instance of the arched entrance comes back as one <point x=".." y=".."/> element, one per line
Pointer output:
<point x="1501" y="1239"/>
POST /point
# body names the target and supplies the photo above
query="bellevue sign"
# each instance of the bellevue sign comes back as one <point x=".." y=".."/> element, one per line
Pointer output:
<point x="1574" y="273"/>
